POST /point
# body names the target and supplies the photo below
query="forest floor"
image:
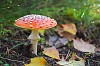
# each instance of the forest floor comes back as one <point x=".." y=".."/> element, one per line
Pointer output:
<point x="15" y="51"/>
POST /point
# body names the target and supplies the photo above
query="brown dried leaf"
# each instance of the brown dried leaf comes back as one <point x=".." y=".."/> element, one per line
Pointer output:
<point x="67" y="35"/>
<point x="83" y="46"/>
<point x="67" y="30"/>
<point x="51" y="52"/>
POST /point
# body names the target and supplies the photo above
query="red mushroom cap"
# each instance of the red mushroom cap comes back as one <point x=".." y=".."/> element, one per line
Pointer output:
<point x="35" y="22"/>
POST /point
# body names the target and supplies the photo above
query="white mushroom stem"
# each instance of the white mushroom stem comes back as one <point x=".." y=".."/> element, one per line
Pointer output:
<point x="34" y="37"/>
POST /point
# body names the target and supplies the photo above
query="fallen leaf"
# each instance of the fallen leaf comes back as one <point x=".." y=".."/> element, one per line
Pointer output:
<point x="67" y="35"/>
<point x="81" y="61"/>
<point x="97" y="49"/>
<point x="30" y="65"/>
<point x="52" y="40"/>
<point x="67" y="30"/>
<point x="64" y="41"/>
<point x="71" y="28"/>
<point x="83" y="46"/>
<point x="71" y="63"/>
<point x="57" y="41"/>
<point x="77" y="63"/>
<point x="63" y="62"/>
<point x="73" y="56"/>
<point x="38" y="61"/>
<point x="51" y="52"/>
<point x="59" y="28"/>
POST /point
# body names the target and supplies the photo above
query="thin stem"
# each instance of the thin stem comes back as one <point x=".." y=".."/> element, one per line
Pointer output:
<point x="34" y="37"/>
<point x="34" y="46"/>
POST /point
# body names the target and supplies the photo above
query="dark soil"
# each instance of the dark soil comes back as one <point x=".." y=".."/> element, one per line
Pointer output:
<point x="14" y="50"/>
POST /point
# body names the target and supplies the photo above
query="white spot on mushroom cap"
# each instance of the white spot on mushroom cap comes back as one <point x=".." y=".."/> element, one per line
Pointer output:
<point x="26" y="19"/>
<point x="25" y="22"/>
<point x="31" y="22"/>
<point x="31" y="26"/>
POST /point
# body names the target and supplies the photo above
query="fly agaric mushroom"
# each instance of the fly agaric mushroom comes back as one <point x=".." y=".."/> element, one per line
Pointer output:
<point x="35" y="23"/>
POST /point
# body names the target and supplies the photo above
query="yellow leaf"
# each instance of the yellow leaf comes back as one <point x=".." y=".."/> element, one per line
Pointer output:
<point x="51" y="52"/>
<point x="38" y="61"/>
<point x="30" y="65"/>
<point x="71" y="28"/>
<point x="42" y="31"/>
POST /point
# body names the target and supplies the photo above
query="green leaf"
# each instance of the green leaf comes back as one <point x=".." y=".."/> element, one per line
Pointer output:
<point x="1" y="62"/>
<point x="6" y="64"/>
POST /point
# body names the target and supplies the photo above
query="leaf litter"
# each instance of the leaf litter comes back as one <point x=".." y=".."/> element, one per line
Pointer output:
<point x="21" y="55"/>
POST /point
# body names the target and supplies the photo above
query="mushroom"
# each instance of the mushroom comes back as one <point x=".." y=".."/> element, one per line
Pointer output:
<point x="35" y="23"/>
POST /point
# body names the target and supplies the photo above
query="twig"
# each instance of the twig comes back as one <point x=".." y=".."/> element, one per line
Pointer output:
<point x="12" y="60"/>
<point x="16" y="46"/>
<point x="68" y="54"/>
